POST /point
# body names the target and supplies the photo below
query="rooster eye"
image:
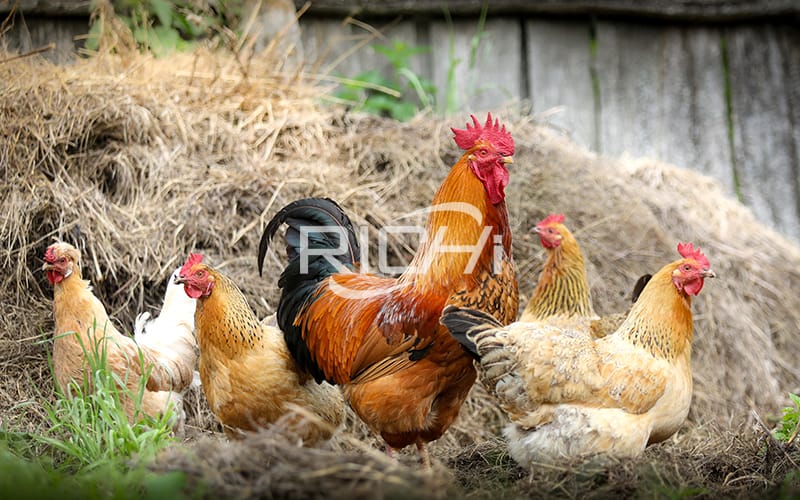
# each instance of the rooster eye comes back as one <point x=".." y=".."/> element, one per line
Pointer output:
<point x="687" y="267"/>
<point x="483" y="152"/>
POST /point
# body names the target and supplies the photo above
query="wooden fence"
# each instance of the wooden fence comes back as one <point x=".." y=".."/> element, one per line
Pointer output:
<point x="720" y="96"/>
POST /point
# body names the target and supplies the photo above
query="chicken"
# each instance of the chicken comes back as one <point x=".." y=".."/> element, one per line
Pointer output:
<point x="248" y="376"/>
<point x="562" y="296"/>
<point x="81" y="322"/>
<point x="562" y="293"/>
<point x="379" y="337"/>
<point x="172" y="332"/>
<point x="570" y="396"/>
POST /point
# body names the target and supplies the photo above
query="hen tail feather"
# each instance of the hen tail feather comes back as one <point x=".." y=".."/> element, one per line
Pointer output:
<point x="471" y="327"/>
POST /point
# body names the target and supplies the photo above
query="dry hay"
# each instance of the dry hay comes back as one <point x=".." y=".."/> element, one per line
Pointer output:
<point x="138" y="161"/>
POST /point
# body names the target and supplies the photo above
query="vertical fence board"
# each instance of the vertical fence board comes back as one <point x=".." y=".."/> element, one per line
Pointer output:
<point x="662" y="92"/>
<point x="344" y="49"/>
<point x="27" y="34"/>
<point x="762" y="129"/>
<point x="491" y="78"/>
<point x="559" y="76"/>
<point x="710" y="147"/>
<point x="627" y="64"/>
<point x="789" y="38"/>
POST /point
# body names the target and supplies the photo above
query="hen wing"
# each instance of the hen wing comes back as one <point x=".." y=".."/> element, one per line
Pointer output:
<point x="530" y="365"/>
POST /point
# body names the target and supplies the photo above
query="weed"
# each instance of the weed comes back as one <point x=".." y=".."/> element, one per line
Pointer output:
<point x="400" y="96"/>
<point x="164" y="26"/>
<point x="451" y="98"/>
<point x="88" y="448"/>
<point x="790" y="421"/>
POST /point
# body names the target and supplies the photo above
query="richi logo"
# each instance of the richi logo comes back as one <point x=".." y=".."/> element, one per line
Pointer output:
<point x="433" y="244"/>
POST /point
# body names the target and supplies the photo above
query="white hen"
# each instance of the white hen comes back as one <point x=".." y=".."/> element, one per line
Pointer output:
<point x="172" y="332"/>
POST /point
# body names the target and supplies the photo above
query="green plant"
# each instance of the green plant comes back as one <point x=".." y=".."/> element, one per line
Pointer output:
<point x="87" y="447"/>
<point x="451" y="102"/>
<point x="163" y="26"/>
<point x="400" y="96"/>
<point x="790" y="421"/>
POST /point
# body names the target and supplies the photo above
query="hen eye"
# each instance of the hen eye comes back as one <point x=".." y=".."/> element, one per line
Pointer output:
<point x="62" y="260"/>
<point x="483" y="152"/>
<point x="687" y="267"/>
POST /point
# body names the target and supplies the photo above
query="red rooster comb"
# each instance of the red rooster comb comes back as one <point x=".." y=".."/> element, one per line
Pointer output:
<point x="552" y="219"/>
<point x="688" y="251"/>
<point x="194" y="258"/>
<point x="494" y="133"/>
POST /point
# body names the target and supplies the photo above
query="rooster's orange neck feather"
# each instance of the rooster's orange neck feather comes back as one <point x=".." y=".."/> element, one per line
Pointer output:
<point x="460" y="211"/>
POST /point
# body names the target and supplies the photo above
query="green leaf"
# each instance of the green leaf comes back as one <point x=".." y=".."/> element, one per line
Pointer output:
<point x="403" y="111"/>
<point x="163" y="11"/>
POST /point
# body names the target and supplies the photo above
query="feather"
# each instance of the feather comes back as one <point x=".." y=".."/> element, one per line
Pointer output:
<point x="324" y="224"/>
<point x="312" y="213"/>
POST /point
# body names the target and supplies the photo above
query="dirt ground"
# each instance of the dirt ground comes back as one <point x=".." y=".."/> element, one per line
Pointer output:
<point x="138" y="161"/>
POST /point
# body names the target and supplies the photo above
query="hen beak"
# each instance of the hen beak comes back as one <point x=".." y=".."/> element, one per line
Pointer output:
<point x="708" y="273"/>
<point x="508" y="160"/>
<point x="535" y="230"/>
<point x="179" y="280"/>
<point x="47" y="266"/>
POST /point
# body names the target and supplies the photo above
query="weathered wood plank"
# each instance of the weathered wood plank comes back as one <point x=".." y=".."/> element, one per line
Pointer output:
<point x="709" y="149"/>
<point x="47" y="7"/>
<point x="789" y="40"/>
<point x="559" y="76"/>
<point x="483" y="79"/>
<point x="662" y="95"/>
<point x="764" y="140"/>
<point x="693" y="10"/>
<point x="628" y="68"/>
<point x="688" y="10"/>
<point x="344" y="49"/>
<point x="33" y="33"/>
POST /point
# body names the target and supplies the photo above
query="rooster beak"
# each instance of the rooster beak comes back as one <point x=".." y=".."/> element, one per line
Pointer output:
<point x="508" y="160"/>
<point x="535" y="230"/>
<point x="179" y="280"/>
<point x="708" y="273"/>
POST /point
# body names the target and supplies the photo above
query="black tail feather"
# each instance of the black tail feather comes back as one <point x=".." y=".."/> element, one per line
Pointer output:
<point x="461" y="321"/>
<point x="312" y="213"/>
<point x="312" y="223"/>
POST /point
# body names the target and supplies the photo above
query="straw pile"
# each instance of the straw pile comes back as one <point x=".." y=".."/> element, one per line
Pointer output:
<point x="138" y="161"/>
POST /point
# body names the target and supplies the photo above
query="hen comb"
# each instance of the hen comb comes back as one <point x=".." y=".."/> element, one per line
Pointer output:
<point x="688" y="251"/>
<point x="194" y="258"/>
<point x="50" y="254"/>
<point x="552" y="219"/>
<point x="494" y="133"/>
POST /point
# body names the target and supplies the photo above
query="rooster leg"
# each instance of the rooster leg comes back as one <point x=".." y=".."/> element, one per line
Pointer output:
<point x="424" y="457"/>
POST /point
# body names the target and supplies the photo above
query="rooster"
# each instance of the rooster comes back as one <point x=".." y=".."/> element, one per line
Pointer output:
<point x="571" y="396"/>
<point x="248" y="376"/>
<point x="379" y="337"/>
<point x="562" y="296"/>
<point x="81" y="322"/>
